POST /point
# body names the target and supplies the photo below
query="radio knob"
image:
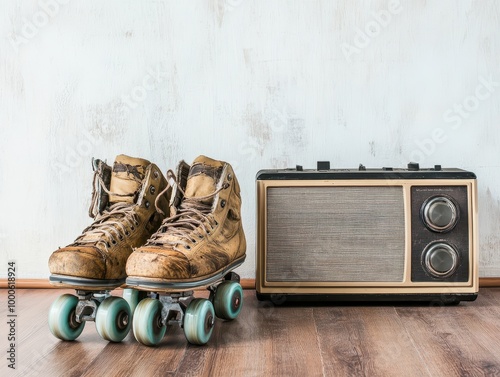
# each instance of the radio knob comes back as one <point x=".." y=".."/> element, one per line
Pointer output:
<point x="440" y="259"/>
<point x="440" y="214"/>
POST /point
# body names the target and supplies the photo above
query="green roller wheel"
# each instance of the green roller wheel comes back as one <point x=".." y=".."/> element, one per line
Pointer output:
<point x="62" y="318"/>
<point x="133" y="297"/>
<point x="113" y="319"/>
<point x="199" y="321"/>
<point x="147" y="325"/>
<point x="228" y="300"/>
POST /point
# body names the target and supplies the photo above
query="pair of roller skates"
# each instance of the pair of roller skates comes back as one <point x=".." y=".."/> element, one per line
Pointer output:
<point x="161" y="237"/>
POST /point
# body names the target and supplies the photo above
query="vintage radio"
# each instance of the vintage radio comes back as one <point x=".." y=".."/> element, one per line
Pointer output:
<point x="367" y="234"/>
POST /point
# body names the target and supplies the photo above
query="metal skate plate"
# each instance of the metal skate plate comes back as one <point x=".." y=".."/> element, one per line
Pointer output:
<point x="173" y="307"/>
<point x="88" y="302"/>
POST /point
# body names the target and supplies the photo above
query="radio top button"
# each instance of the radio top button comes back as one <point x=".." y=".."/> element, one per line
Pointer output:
<point x="323" y="165"/>
<point x="413" y="166"/>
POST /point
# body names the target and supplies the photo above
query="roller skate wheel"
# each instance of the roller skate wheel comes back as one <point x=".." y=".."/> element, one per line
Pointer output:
<point x="199" y="321"/>
<point x="113" y="319"/>
<point x="133" y="297"/>
<point x="147" y="322"/>
<point x="62" y="318"/>
<point x="228" y="300"/>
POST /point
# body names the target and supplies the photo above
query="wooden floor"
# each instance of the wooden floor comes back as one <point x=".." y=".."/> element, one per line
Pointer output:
<point x="329" y="340"/>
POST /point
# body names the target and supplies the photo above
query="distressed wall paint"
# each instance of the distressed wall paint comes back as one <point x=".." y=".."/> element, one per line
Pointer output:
<point x="261" y="84"/>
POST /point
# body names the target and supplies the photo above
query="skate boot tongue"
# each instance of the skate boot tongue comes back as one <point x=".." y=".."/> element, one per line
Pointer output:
<point x="126" y="178"/>
<point x="203" y="178"/>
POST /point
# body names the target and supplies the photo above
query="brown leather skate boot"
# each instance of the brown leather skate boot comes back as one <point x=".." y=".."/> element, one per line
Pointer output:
<point x="124" y="210"/>
<point x="204" y="238"/>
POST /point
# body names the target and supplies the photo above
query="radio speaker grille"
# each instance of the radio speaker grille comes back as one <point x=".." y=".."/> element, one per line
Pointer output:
<point x="335" y="234"/>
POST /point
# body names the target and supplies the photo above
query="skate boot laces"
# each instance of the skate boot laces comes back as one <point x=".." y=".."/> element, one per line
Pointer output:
<point x="191" y="221"/>
<point x="114" y="223"/>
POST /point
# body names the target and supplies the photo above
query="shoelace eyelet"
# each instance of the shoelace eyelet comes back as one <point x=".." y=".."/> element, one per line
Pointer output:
<point x="188" y="247"/>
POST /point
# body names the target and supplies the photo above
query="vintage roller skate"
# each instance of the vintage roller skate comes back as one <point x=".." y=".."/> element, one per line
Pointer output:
<point x="198" y="246"/>
<point x="124" y="202"/>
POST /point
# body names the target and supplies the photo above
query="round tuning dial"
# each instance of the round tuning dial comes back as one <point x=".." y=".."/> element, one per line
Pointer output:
<point x="440" y="214"/>
<point x="440" y="259"/>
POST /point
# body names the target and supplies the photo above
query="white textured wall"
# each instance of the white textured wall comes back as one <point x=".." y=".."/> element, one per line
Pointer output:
<point x="261" y="84"/>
